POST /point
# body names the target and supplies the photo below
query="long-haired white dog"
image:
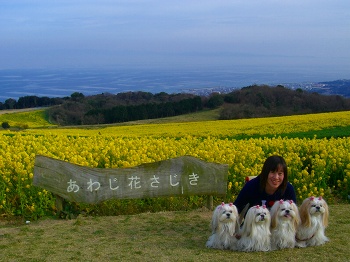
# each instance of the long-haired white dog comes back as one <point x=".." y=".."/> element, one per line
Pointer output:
<point x="255" y="232"/>
<point x="224" y="226"/>
<point x="285" y="220"/>
<point x="314" y="220"/>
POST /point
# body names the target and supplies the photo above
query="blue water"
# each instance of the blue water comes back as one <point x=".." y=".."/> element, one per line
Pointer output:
<point x="61" y="83"/>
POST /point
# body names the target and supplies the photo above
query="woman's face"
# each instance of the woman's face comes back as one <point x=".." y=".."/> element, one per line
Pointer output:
<point x="274" y="180"/>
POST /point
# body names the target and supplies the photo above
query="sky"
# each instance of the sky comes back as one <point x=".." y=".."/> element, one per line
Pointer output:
<point x="175" y="34"/>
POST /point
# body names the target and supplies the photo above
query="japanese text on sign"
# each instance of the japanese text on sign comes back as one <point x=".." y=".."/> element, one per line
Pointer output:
<point x="134" y="183"/>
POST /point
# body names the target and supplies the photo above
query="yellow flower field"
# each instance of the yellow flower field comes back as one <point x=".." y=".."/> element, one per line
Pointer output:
<point x="223" y="128"/>
<point x="316" y="166"/>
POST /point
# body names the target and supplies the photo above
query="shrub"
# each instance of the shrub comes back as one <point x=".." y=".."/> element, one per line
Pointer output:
<point x="5" y="125"/>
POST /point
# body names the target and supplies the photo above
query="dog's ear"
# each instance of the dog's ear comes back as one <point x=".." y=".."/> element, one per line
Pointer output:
<point x="326" y="213"/>
<point x="235" y="213"/>
<point x="268" y="215"/>
<point x="297" y="216"/>
<point x="248" y="221"/>
<point x="305" y="213"/>
<point x="215" y="220"/>
<point x="235" y="210"/>
<point x="274" y="220"/>
<point x="233" y="226"/>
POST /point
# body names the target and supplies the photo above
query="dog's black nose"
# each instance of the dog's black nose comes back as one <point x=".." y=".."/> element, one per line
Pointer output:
<point x="317" y="208"/>
<point x="287" y="211"/>
<point x="228" y="215"/>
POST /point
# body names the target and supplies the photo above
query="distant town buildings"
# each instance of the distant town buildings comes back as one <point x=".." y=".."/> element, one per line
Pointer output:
<point x="338" y="87"/>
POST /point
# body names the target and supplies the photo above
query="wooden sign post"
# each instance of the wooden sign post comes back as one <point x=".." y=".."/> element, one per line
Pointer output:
<point x="182" y="176"/>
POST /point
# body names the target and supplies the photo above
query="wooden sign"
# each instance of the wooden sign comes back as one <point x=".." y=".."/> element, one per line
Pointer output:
<point x="182" y="176"/>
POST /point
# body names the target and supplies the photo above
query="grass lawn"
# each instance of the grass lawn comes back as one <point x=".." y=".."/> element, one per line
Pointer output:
<point x="163" y="236"/>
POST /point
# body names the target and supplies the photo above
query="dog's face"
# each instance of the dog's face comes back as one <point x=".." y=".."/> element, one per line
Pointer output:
<point x="261" y="214"/>
<point x="225" y="217"/>
<point x="258" y="214"/>
<point x="226" y="213"/>
<point x="285" y="211"/>
<point x="314" y="207"/>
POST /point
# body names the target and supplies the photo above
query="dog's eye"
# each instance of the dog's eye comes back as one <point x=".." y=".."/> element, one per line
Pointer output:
<point x="313" y="205"/>
<point x="230" y="211"/>
<point x="283" y="209"/>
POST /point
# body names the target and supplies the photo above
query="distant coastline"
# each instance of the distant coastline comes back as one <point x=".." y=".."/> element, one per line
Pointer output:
<point x="61" y="83"/>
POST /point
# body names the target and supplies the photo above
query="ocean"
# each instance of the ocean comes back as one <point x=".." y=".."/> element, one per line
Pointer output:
<point x="61" y="83"/>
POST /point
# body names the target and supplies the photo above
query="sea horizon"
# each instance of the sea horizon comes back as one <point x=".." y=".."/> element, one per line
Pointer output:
<point x="16" y="83"/>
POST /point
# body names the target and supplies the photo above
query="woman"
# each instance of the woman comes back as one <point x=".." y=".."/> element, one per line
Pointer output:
<point x="271" y="185"/>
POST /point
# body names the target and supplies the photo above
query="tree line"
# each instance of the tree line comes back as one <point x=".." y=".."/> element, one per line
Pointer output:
<point x="247" y="102"/>
<point x="266" y="101"/>
<point x="153" y="110"/>
<point x="123" y="107"/>
<point x="31" y="102"/>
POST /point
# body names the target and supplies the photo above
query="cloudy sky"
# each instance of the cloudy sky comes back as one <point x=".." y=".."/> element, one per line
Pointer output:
<point x="177" y="33"/>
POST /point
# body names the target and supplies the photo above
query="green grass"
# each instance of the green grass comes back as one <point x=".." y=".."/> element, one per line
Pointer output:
<point x="205" y="115"/>
<point x="163" y="236"/>
<point x="38" y="119"/>
<point x="340" y="131"/>
<point x="32" y="118"/>
<point x="209" y="115"/>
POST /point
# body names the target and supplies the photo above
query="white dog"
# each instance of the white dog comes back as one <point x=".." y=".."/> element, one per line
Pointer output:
<point x="255" y="232"/>
<point x="285" y="220"/>
<point x="224" y="225"/>
<point x="314" y="220"/>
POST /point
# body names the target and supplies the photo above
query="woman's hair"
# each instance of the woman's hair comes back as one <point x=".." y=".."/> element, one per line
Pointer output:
<point x="273" y="163"/>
